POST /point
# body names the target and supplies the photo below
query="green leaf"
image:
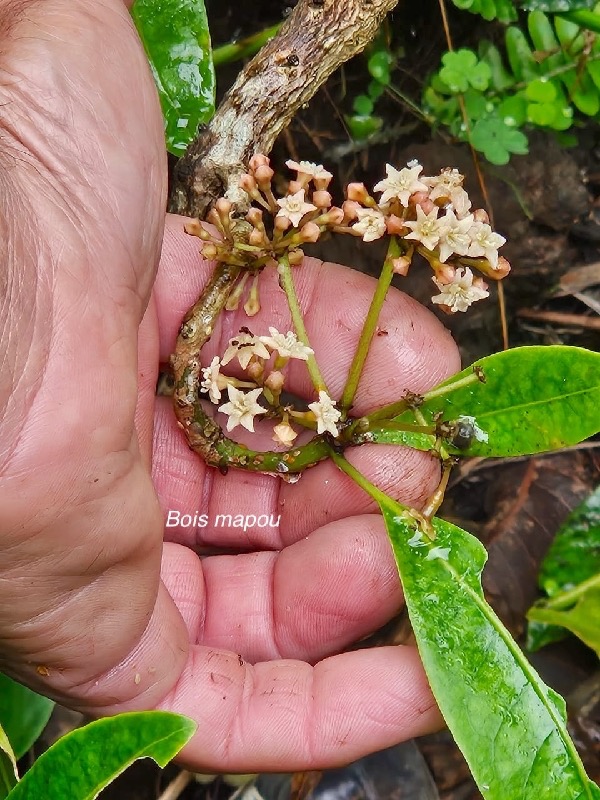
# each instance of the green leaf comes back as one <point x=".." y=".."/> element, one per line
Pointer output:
<point x="379" y="66"/>
<point x="541" y="91"/>
<point x="86" y="760"/>
<point x="8" y="766"/>
<point x="23" y="714"/>
<point x="520" y="55"/>
<point x="581" y="617"/>
<point x="462" y="69"/>
<point x="176" y="37"/>
<point x="555" y="6"/>
<point x="509" y="725"/>
<point x="362" y="105"/>
<point x="497" y="140"/>
<point x="362" y="126"/>
<point x="534" y="399"/>
<point x="572" y="560"/>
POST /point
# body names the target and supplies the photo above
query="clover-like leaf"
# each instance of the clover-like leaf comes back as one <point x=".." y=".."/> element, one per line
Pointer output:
<point x="496" y="140"/>
<point x="461" y="69"/>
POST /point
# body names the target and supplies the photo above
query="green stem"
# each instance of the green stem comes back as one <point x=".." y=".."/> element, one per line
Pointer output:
<point x="368" y="331"/>
<point x="394" y="409"/>
<point x="287" y="284"/>
<point x="570" y="597"/>
<point x="364" y="483"/>
<point x="234" y="51"/>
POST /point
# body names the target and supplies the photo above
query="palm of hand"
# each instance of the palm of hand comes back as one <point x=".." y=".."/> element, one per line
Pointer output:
<point x="85" y="194"/>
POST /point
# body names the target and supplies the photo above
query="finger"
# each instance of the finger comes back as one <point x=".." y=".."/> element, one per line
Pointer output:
<point x="311" y="600"/>
<point x="289" y="715"/>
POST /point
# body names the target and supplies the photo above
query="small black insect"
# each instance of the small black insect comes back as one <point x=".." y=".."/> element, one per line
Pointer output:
<point x="463" y="434"/>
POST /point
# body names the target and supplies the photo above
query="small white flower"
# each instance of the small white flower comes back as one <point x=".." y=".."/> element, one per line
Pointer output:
<point x="427" y="228"/>
<point x="445" y="183"/>
<point x="326" y="414"/>
<point x="213" y="381"/>
<point x="284" y="434"/>
<point x="455" y="238"/>
<point x="244" y="346"/>
<point x="484" y="242"/>
<point x="242" y="408"/>
<point x="316" y="171"/>
<point x="370" y="225"/>
<point x="293" y="207"/>
<point x="400" y="183"/>
<point x="287" y="345"/>
<point x="460" y="293"/>
<point x="461" y="202"/>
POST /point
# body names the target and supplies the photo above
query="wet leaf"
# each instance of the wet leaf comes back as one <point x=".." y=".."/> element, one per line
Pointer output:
<point x="569" y="576"/>
<point x="534" y="399"/>
<point x="176" y="38"/>
<point x="23" y="714"/>
<point x="86" y="760"/>
<point x="509" y="725"/>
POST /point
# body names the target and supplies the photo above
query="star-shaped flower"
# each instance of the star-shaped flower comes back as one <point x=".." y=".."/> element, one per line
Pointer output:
<point x="461" y="292"/>
<point x="484" y="242"/>
<point x="293" y="207"/>
<point x="445" y="183"/>
<point x="242" y="408"/>
<point x="427" y="228"/>
<point x="326" y="414"/>
<point x="244" y="346"/>
<point x="400" y="183"/>
<point x="286" y="344"/>
<point x="456" y="238"/>
<point x="370" y="225"/>
<point x="213" y="381"/>
<point x="309" y="168"/>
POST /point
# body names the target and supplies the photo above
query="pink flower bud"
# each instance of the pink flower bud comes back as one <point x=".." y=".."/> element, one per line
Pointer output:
<point x="357" y="192"/>
<point x="310" y="232"/>
<point x="295" y="186"/>
<point x="258" y="160"/>
<point x="223" y="207"/>
<point x="255" y="369"/>
<point x="335" y="216"/>
<point x="321" y="199"/>
<point x="248" y="184"/>
<point x="445" y="273"/>
<point x="502" y="268"/>
<point x="275" y="381"/>
<point x="256" y="238"/>
<point x="282" y="223"/>
<point x="350" y="207"/>
<point x="481" y="215"/>
<point x="193" y="227"/>
<point x="400" y="265"/>
<point x="263" y="175"/>
<point x="255" y="217"/>
<point x="417" y="198"/>
<point x="395" y="225"/>
<point x="426" y="204"/>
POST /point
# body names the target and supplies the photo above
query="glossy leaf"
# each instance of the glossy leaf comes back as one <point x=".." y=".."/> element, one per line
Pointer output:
<point x="176" y="38"/>
<point x="8" y="766"/>
<point x="23" y="714"/>
<point x="86" y="760"/>
<point x="581" y="616"/>
<point x="572" y="561"/>
<point x="509" y="725"/>
<point x="534" y="399"/>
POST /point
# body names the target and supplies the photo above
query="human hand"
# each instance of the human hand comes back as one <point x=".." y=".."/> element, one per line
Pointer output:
<point x="227" y="639"/>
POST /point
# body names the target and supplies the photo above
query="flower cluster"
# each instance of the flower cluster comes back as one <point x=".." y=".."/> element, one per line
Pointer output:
<point x="253" y="353"/>
<point x="430" y="215"/>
